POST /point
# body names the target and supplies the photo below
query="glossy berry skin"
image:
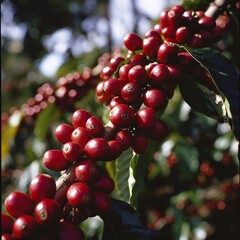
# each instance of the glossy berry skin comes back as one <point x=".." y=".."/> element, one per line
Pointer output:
<point x="80" y="117"/>
<point x="97" y="149"/>
<point x="95" y="126"/>
<point x="69" y="231"/>
<point x="122" y="116"/>
<point x="16" y="199"/>
<point x="63" y="133"/>
<point x="115" y="149"/>
<point x="86" y="171"/>
<point x="79" y="194"/>
<point x="183" y="35"/>
<point x="206" y="23"/>
<point x="151" y="45"/>
<point x="42" y="186"/>
<point x="146" y="117"/>
<point x="159" y="131"/>
<point x="155" y="98"/>
<point x="133" y="41"/>
<point x="102" y="203"/>
<point x="104" y="183"/>
<point x="7" y="236"/>
<point x="138" y="74"/>
<point x="6" y="223"/>
<point x="72" y="151"/>
<point x="113" y="86"/>
<point x="54" y="160"/>
<point x="115" y="62"/>
<point x="176" y="72"/>
<point x="138" y="59"/>
<point x="47" y="212"/>
<point x="24" y="227"/>
<point x="131" y="92"/>
<point x="115" y="101"/>
<point x="159" y="75"/>
<point x="123" y="72"/>
<point x="125" y="138"/>
<point x="139" y="143"/>
<point x="167" y="52"/>
<point x="81" y="136"/>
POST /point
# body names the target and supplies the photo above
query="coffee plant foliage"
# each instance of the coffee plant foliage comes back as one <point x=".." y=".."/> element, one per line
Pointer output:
<point x="142" y="144"/>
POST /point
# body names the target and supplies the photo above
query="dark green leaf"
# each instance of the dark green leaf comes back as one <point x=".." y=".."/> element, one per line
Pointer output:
<point x="226" y="78"/>
<point x="124" y="223"/>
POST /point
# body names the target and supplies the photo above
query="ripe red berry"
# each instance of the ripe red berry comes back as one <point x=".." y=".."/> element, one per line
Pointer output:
<point x="97" y="149"/>
<point x="72" y="151"/>
<point x="155" y="98"/>
<point x="125" y="138"/>
<point x="123" y="72"/>
<point x="16" y="199"/>
<point x="102" y="96"/>
<point x="140" y="142"/>
<point x="47" y="212"/>
<point x="122" y="116"/>
<point x="139" y="59"/>
<point x="63" y="133"/>
<point x="24" y="227"/>
<point x="183" y="35"/>
<point x="159" y="75"/>
<point x="138" y="74"/>
<point x="54" y="160"/>
<point x="115" y="62"/>
<point x="42" y="186"/>
<point x="115" y="149"/>
<point x="95" y="126"/>
<point x="206" y="23"/>
<point x="80" y="117"/>
<point x="86" y="171"/>
<point x="169" y="32"/>
<point x="113" y="86"/>
<point x="151" y="45"/>
<point x="159" y="131"/>
<point x="7" y="236"/>
<point x="7" y="223"/>
<point x="104" y="183"/>
<point x="146" y="117"/>
<point x="131" y="92"/>
<point x="115" y="101"/>
<point x="167" y="52"/>
<point x="176" y="72"/>
<point x="79" y="194"/>
<point x="69" y="231"/>
<point x="152" y="33"/>
<point x="102" y="203"/>
<point x="81" y="136"/>
<point x="133" y="41"/>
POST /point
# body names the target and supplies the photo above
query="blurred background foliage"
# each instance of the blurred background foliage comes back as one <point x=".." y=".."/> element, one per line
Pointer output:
<point x="192" y="182"/>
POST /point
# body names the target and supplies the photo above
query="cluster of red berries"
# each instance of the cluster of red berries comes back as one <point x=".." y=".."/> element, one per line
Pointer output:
<point x="37" y="215"/>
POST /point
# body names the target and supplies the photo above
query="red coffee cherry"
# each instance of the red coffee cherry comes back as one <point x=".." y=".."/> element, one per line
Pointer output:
<point x="97" y="149"/>
<point x="16" y="199"/>
<point x="80" y="117"/>
<point x="125" y="138"/>
<point x="101" y="202"/>
<point x="167" y="52"/>
<point x="155" y="98"/>
<point x="146" y="117"/>
<point x="86" y="171"/>
<point x="7" y="236"/>
<point x="115" y="149"/>
<point x="81" y="136"/>
<point x="102" y="96"/>
<point x="139" y="59"/>
<point x="106" y="73"/>
<point x="115" y="101"/>
<point x="164" y="18"/>
<point x="137" y="74"/>
<point x="206" y="23"/>
<point x="174" y="17"/>
<point x="152" y="33"/>
<point x="196" y="42"/>
<point x="115" y="62"/>
<point x="54" y="160"/>
<point x="69" y="231"/>
<point x="176" y="72"/>
<point x="122" y="116"/>
<point x="103" y="183"/>
<point x="140" y="142"/>
<point x="169" y="32"/>
<point x="131" y="92"/>
<point x="63" y="133"/>
<point x="72" y="151"/>
<point x="159" y="131"/>
<point x="113" y="86"/>
<point x="159" y="75"/>
<point x="123" y="72"/>
<point x="42" y="186"/>
<point x="133" y="41"/>
<point x="79" y="194"/>
<point x="47" y="212"/>
<point x="95" y="126"/>
<point x="7" y="223"/>
<point x="151" y="45"/>
<point x="183" y="35"/>
<point x="24" y="227"/>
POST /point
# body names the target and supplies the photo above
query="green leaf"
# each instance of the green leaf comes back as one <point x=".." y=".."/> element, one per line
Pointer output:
<point x="226" y="78"/>
<point x="45" y="119"/>
<point x="195" y="4"/>
<point x="122" y="174"/>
